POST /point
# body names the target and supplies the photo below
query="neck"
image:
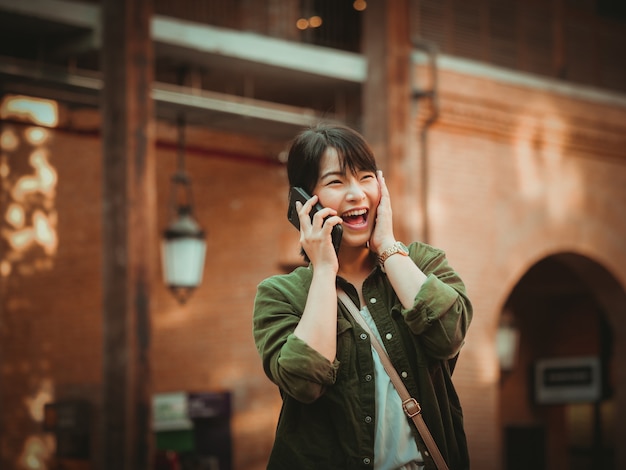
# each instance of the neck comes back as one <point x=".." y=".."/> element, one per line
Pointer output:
<point x="355" y="260"/>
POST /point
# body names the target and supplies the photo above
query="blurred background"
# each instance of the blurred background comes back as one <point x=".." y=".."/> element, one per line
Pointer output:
<point x="144" y="197"/>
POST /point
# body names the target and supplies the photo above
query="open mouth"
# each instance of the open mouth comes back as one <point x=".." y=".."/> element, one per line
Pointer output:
<point x="355" y="218"/>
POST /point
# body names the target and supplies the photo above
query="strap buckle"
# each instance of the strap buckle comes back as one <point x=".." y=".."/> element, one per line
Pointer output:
<point x="411" y="407"/>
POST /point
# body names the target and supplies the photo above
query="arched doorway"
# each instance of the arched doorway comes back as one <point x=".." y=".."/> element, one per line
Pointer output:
<point x="558" y="399"/>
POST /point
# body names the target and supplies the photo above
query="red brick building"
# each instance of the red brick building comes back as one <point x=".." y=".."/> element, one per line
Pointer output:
<point x="501" y="128"/>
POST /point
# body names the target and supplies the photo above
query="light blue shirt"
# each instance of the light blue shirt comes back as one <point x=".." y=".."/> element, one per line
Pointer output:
<point x="394" y="445"/>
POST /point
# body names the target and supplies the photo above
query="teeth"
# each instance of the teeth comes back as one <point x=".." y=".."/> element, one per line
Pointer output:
<point x="355" y="213"/>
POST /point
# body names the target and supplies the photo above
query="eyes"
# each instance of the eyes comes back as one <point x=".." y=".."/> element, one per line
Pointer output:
<point x="363" y="177"/>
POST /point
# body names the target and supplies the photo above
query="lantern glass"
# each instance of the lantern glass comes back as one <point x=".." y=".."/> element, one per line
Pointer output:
<point x="183" y="249"/>
<point x="183" y="261"/>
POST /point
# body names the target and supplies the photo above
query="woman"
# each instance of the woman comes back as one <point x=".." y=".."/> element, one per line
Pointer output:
<point x="340" y="410"/>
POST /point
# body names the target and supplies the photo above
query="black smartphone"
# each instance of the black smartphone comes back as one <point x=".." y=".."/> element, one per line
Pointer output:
<point x="299" y="194"/>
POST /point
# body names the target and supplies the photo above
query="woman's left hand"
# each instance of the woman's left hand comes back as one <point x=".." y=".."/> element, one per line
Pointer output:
<point x="382" y="236"/>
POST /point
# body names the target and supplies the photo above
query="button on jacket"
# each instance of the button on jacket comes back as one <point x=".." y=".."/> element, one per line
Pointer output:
<point x="327" y="419"/>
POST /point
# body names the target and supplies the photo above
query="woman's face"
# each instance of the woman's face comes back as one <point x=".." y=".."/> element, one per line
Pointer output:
<point x="355" y="197"/>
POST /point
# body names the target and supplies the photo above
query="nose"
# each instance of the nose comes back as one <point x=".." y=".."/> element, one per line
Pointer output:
<point x="355" y="191"/>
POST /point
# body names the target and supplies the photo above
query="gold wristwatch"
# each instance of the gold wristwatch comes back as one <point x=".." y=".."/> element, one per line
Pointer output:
<point x="396" y="248"/>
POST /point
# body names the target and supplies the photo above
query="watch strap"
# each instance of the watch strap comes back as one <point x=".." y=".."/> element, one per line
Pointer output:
<point x="396" y="248"/>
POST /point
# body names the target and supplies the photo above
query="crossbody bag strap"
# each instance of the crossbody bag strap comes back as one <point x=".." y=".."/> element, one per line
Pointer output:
<point x="409" y="404"/>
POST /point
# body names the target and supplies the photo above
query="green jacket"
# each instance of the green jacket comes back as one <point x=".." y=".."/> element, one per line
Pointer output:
<point x="328" y="413"/>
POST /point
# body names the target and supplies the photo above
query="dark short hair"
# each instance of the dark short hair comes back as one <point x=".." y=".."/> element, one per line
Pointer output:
<point x="308" y="147"/>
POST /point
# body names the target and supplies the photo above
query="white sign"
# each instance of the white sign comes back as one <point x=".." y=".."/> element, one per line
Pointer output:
<point x="170" y="412"/>
<point x="568" y="379"/>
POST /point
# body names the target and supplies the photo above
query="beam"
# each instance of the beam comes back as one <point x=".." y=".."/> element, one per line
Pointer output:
<point x="83" y="15"/>
<point x="256" y="48"/>
<point x="85" y="88"/>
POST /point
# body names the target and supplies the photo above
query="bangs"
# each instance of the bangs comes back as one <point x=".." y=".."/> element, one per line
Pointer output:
<point x="353" y="152"/>
<point x="352" y="161"/>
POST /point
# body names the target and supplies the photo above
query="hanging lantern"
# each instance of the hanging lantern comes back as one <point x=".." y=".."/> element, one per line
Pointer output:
<point x="507" y="341"/>
<point x="184" y="244"/>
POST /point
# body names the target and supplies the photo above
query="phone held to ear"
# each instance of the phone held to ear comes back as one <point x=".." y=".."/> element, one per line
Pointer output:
<point x="299" y="194"/>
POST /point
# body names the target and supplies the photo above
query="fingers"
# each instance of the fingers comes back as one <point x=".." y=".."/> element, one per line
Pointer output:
<point x="315" y="231"/>
<point x="384" y="191"/>
<point x="315" y="218"/>
<point x="304" y="210"/>
<point x="384" y="203"/>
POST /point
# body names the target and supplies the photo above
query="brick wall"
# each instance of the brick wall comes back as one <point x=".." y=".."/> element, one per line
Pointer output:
<point x="516" y="174"/>
<point x="51" y="330"/>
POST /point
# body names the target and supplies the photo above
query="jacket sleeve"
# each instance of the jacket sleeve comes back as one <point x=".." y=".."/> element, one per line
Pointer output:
<point x="288" y="361"/>
<point x="442" y="312"/>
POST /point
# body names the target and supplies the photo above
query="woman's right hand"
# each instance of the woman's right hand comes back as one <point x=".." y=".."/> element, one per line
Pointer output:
<point x="318" y="325"/>
<point x="315" y="235"/>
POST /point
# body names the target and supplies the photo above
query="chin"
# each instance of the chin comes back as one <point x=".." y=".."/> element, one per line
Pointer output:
<point x="356" y="242"/>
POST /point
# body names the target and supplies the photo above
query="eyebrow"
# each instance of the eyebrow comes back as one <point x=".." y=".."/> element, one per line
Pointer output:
<point x="332" y="173"/>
